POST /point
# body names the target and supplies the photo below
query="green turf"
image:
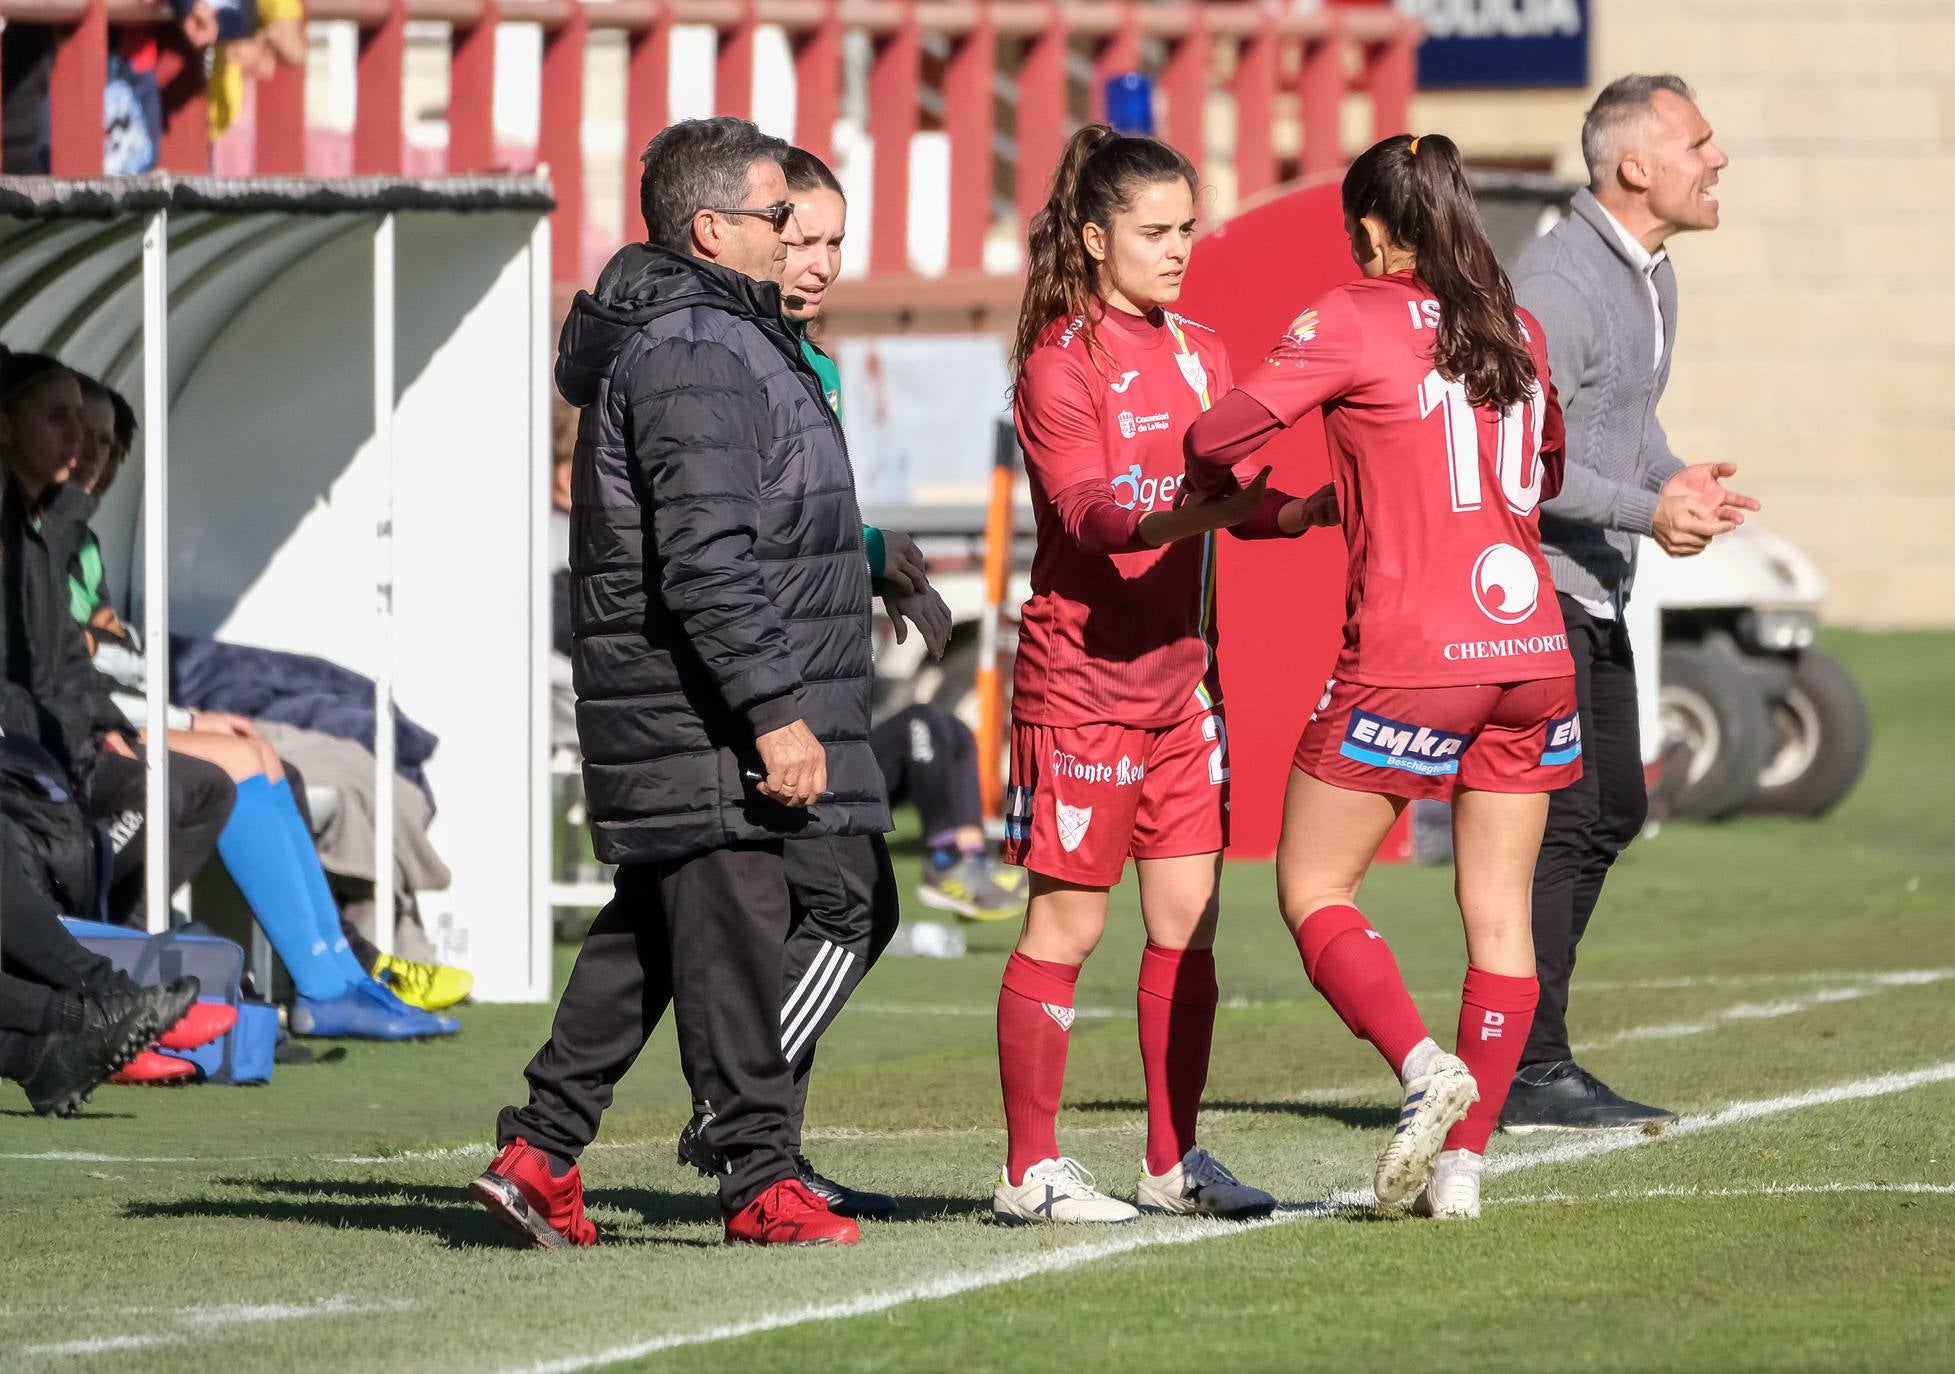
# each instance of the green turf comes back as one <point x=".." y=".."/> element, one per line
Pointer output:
<point x="234" y="1229"/>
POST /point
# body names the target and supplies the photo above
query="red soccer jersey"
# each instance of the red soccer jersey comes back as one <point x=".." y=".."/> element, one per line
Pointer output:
<point x="1447" y="585"/>
<point x="1123" y="638"/>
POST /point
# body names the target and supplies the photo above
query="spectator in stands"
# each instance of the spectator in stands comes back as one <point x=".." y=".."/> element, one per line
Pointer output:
<point x="65" y="704"/>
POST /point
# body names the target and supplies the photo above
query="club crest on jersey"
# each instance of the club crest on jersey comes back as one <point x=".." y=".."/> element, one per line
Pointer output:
<point x="1386" y="743"/>
<point x="1192" y="371"/>
<point x="1564" y="741"/>
<point x="1073" y="821"/>
<point x="1018" y="814"/>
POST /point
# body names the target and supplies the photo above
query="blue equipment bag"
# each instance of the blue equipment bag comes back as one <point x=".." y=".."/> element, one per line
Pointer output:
<point x="244" y="1054"/>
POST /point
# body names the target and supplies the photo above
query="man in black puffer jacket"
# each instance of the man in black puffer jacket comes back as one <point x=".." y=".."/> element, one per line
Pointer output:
<point x="721" y="644"/>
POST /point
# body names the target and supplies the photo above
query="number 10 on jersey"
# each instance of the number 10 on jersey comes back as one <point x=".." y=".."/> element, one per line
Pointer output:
<point x="1518" y="461"/>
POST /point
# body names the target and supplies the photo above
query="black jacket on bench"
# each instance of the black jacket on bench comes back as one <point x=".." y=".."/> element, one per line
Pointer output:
<point x="719" y="588"/>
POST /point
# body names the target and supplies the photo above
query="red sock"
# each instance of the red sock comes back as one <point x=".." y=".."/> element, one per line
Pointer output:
<point x="1176" y="1001"/>
<point x="1351" y="964"/>
<point x="1495" y="1014"/>
<point x="1035" y="1020"/>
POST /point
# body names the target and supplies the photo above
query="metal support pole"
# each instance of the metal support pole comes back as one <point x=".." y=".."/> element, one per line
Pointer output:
<point x="156" y="565"/>
<point x="542" y="326"/>
<point x="383" y="673"/>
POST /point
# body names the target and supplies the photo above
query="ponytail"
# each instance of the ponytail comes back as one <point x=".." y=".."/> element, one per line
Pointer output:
<point x="1099" y="175"/>
<point x="1417" y="188"/>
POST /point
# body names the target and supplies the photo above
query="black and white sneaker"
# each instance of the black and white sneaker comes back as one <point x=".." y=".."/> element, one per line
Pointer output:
<point x="843" y="1200"/>
<point x="1563" y="1096"/>
<point x="694" y="1150"/>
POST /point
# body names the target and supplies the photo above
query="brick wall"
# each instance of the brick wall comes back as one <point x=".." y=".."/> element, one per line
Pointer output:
<point x="1816" y="346"/>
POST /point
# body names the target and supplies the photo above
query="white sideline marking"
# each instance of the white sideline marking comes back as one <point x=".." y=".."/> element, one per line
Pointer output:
<point x="94" y="1345"/>
<point x="1743" y="1011"/>
<point x="87" y="1157"/>
<point x="201" y="1321"/>
<point x="1772" y="1190"/>
<point x="1193" y="1232"/>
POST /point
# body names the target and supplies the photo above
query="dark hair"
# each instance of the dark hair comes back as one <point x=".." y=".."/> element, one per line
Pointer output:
<point x="1620" y="103"/>
<point x="695" y="165"/>
<point x="125" y="414"/>
<point x="19" y="371"/>
<point x="806" y="172"/>
<point x="1417" y="189"/>
<point x="1100" y="174"/>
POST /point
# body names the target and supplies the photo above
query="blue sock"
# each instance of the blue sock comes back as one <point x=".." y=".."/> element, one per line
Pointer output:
<point x="325" y="911"/>
<point x="257" y="852"/>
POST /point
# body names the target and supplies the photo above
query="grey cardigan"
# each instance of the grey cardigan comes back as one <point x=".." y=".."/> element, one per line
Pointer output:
<point x="1581" y="284"/>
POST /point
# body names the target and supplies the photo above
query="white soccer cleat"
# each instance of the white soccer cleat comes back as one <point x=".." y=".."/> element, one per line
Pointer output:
<point x="1433" y="1105"/>
<point x="1199" y="1186"/>
<point x="1056" y="1190"/>
<point x="1453" y="1192"/>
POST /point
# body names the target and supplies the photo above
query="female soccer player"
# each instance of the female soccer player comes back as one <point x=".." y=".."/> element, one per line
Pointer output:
<point x="1454" y="679"/>
<point x="1118" y="746"/>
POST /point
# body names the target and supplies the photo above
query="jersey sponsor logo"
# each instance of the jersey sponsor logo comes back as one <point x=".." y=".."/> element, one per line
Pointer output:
<point x="1018" y="814"/>
<point x="1387" y="743"/>
<point x="1564" y="741"/>
<point x="1132" y="424"/>
<point x="1144" y="493"/>
<point x="1466" y="650"/>
<point x="1506" y="587"/>
<point x="1126" y="380"/>
<point x="1193" y="372"/>
<point x="1304" y="327"/>
<point x="1126" y="772"/>
<point x="1073" y="821"/>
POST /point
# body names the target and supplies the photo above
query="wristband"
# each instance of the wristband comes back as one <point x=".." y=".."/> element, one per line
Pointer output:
<point x="872" y="545"/>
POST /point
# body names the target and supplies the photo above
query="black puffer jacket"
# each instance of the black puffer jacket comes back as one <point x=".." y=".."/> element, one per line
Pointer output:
<point x="718" y="584"/>
<point x="51" y="693"/>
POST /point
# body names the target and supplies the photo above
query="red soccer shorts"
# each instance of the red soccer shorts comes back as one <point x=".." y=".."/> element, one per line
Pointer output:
<point x="1427" y="741"/>
<point x="1085" y="797"/>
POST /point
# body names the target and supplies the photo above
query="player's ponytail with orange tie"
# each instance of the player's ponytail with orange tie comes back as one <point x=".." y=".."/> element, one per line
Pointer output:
<point x="1417" y="189"/>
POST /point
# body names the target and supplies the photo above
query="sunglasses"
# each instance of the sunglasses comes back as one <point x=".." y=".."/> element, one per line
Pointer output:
<point x="776" y="216"/>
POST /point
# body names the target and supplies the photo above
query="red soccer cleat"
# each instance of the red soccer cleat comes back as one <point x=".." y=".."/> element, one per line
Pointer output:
<point x="155" y="1070"/>
<point x="203" y="1023"/>
<point x="788" y="1214"/>
<point x="544" y="1210"/>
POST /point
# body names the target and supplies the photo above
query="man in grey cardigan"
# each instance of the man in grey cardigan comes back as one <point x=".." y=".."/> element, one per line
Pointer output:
<point x="1602" y="286"/>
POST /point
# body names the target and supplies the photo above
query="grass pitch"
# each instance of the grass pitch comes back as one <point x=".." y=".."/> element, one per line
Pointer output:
<point x="1790" y="986"/>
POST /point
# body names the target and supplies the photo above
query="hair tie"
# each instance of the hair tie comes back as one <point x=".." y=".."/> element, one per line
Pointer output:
<point x="1415" y="145"/>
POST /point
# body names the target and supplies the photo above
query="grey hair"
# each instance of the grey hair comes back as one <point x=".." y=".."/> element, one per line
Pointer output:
<point x="694" y="165"/>
<point x="1620" y="104"/>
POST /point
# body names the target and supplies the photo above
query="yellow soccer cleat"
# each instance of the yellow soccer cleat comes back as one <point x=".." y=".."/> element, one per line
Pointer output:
<point x="430" y="987"/>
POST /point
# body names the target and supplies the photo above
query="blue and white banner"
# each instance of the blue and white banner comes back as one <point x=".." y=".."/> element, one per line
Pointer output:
<point x="1491" y="44"/>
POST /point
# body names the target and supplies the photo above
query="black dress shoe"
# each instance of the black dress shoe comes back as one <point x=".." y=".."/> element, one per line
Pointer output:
<point x="1563" y="1096"/>
<point x="843" y="1200"/>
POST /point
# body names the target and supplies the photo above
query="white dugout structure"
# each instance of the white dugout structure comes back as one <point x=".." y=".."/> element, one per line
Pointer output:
<point x="343" y="388"/>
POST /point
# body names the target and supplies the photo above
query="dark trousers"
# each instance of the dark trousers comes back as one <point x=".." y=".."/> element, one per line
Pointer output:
<point x="837" y="909"/>
<point x="25" y="1006"/>
<point x="36" y="947"/>
<point x="706" y="934"/>
<point x="846" y="910"/>
<point x="928" y="758"/>
<point x="201" y="797"/>
<point x="1589" y="822"/>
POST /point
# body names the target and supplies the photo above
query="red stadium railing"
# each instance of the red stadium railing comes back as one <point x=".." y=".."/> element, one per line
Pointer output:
<point x="1259" y="53"/>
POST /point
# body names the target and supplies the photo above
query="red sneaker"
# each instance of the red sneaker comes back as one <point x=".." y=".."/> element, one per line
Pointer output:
<point x="203" y="1023"/>
<point x="788" y="1214"/>
<point x="155" y="1070"/>
<point x="544" y="1210"/>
